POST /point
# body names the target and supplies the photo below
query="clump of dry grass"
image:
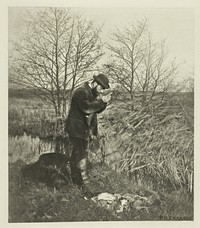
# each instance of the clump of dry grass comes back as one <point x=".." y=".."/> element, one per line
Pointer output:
<point x="152" y="145"/>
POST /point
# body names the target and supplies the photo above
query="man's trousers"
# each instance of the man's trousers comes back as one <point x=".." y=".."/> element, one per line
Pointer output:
<point x="78" y="161"/>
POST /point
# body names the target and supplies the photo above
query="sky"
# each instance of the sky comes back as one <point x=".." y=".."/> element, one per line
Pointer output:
<point x="176" y="25"/>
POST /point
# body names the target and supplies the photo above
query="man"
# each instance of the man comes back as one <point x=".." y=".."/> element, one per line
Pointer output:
<point x="87" y="102"/>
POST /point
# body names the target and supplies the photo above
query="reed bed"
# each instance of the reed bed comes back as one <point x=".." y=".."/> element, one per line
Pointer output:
<point x="154" y="146"/>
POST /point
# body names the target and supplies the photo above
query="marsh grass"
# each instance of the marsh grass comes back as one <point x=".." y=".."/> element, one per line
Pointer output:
<point x="155" y="147"/>
<point x="27" y="148"/>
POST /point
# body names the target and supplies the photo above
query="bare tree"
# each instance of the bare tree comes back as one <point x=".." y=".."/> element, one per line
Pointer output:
<point x="54" y="54"/>
<point x="157" y="73"/>
<point x="139" y="64"/>
<point x="127" y="53"/>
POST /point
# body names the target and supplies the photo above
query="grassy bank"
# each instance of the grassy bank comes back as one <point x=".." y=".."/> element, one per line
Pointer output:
<point x="38" y="203"/>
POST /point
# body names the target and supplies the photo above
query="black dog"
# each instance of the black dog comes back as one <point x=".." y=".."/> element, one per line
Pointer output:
<point x="53" y="159"/>
<point x="51" y="169"/>
<point x="36" y="173"/>
<point x="41" y="174"/>
<point x="56" y="160"/>
<point x="58" y="180"/>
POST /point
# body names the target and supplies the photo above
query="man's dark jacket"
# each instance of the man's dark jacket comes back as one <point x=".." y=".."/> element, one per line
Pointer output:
<point x="82" y="118"/>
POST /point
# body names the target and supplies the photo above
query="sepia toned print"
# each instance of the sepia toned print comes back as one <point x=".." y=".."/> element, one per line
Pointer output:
<point x="101" y="114"/>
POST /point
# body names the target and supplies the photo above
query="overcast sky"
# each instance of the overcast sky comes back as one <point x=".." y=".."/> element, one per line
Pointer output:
<point x="175" y="24"/>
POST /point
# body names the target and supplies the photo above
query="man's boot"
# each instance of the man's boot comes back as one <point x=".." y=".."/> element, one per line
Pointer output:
<point x="89" y="189"/>
<point x="75" y="173"/>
